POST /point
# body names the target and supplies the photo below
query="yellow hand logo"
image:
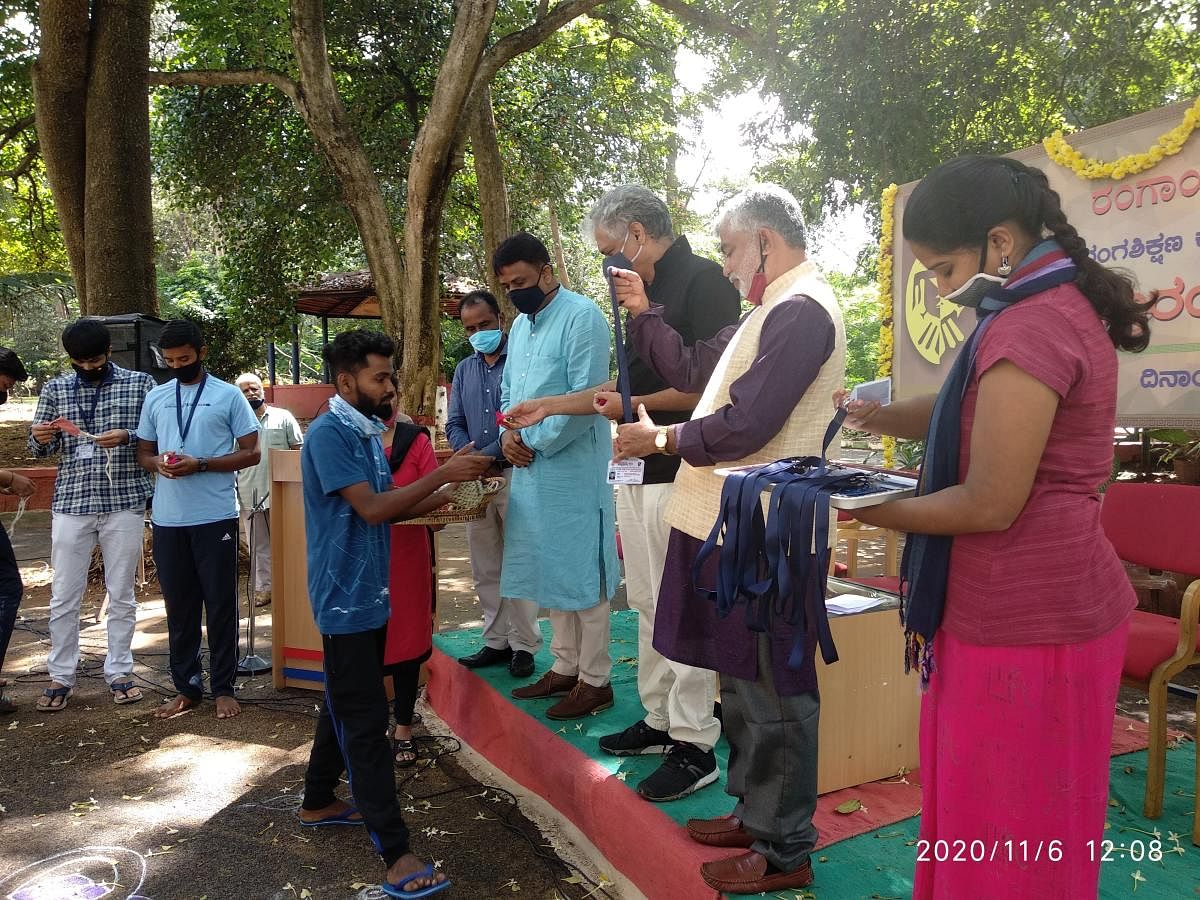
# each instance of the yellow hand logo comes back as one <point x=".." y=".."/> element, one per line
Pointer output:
<point x="932" y="334"/>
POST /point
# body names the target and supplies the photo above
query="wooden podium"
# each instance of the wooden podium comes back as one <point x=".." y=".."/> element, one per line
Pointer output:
<point x="296" y="655"/>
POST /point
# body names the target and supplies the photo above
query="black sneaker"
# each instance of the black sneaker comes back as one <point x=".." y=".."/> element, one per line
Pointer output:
<point x="636" y="740"/>
<point x="685" y="769"/>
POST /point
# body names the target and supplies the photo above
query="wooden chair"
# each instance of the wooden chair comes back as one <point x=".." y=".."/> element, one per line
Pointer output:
<point x="1156" y="525"/>
<point x="850" y="530"/>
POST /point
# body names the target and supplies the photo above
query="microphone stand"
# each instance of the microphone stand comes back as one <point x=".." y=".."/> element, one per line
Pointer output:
<point x="252" y="664"/>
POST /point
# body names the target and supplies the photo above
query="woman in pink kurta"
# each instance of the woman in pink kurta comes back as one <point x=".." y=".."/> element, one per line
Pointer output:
<point x="410" y="628"/>
<point x="1016" y="605"/>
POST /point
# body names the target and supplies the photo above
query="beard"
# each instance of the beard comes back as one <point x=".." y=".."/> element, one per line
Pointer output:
<point x="368" y="408"/>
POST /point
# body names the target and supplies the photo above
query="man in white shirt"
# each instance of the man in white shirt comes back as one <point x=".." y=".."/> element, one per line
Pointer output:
<point x="277" y="430"/>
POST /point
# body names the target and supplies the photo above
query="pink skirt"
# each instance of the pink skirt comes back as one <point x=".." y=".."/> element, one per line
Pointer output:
<point x="1015" y="748"/>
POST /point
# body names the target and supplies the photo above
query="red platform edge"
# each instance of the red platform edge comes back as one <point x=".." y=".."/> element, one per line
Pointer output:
<point x="640" y="840"/>
<point x="647" y="846"/>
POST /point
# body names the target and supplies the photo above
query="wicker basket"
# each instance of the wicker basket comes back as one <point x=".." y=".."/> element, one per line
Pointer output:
<point x="468" y="503"/>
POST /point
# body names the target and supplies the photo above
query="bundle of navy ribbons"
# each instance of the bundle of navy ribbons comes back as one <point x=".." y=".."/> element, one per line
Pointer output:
<point x="776" y="566"/>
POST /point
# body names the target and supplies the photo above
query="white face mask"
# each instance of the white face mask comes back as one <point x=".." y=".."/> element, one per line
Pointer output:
<point x="641" y="247"/>
<point x="974" y="289"/>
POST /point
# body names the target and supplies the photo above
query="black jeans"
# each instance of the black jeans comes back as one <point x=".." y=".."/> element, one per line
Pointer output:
<point x="352" y="737"/>
<point x="197" y="568"/>
<point x="11" y="590"/>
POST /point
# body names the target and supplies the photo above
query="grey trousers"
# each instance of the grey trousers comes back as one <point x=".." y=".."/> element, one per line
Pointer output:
<point x="772" y="763"/>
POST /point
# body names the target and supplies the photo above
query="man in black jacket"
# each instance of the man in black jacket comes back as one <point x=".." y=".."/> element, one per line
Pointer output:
<point x="698" y="302"/>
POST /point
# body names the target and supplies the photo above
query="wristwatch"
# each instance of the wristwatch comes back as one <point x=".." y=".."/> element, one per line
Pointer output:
<point x="660" y="439"/>
<point x="203" y="465"/>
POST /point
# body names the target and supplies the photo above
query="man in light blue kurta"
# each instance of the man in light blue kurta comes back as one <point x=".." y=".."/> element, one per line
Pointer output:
<point x="559" y="539"/>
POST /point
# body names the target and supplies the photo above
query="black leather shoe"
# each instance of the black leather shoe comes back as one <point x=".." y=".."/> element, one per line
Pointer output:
<point x="487" y="656"/>
<point x="521" y="664"/>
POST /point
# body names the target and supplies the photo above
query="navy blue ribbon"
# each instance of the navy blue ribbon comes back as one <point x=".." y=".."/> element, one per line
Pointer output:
<point x="776" y="565"/>
<point x="619" y="261"/>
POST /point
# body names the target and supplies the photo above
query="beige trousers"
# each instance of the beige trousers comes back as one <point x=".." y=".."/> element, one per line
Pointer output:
<point x="678" y="699"/>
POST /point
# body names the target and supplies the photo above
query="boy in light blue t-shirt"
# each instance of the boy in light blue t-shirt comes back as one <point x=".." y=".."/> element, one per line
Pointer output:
<point x="187" y="428"/>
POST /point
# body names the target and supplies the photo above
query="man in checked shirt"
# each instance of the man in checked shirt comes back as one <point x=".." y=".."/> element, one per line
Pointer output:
<point x="99" y="497"/>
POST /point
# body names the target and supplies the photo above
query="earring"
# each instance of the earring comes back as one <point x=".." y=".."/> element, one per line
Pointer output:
<point x="1004" y="269"/>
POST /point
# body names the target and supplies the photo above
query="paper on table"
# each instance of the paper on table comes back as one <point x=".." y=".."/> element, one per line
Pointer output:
<point x="849" y="604"/>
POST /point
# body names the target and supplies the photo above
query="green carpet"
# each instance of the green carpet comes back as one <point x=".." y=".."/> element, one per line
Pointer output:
<point x="626" y="710"/>
<point x="879" y="864"/>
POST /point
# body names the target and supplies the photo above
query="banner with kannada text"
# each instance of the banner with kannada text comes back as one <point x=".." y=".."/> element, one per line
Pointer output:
<point x="1147" y="224"/>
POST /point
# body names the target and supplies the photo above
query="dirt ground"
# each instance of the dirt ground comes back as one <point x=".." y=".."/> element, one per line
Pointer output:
<point x="193" y="807"/>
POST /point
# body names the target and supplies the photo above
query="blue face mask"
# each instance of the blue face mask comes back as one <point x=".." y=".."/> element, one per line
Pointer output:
<point x="487" y="341"/>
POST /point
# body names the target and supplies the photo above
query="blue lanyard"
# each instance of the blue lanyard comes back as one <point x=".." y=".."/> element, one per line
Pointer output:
<point x="90" y="418"/>
<point x="185" y="427"/>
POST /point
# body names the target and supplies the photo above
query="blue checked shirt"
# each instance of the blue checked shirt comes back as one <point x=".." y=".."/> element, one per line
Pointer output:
<point x="83" y="486"/>
<point x="474" y="401"/>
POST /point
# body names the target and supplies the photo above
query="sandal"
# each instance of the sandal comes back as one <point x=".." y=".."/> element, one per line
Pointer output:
<point x="49" y="695"/>
<point x="131" y="692"/>
<point x="403" y="747"/>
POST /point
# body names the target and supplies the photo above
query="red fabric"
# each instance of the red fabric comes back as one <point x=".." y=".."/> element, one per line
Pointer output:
<point x="410" y="576"/>
<point x="1154" y="525"/>
<point x="1015" y="747"/>
<point x="1152" y="639"/>
<point x="1052" y="577"/>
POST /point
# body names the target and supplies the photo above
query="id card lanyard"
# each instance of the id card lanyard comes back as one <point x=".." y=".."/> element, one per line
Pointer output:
<point x="185" y="427"/>
<point x="89" y="420"/>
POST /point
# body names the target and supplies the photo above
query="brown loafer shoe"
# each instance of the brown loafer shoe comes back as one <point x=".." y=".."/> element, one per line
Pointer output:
<point x="549" y="685"/>
<point x="726" y="831"/>
<point x="583" y="699"/>
<point x="748" y="874"/>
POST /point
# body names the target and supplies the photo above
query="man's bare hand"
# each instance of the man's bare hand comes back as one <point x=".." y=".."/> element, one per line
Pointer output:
<point x="21" y="486"/>
<point x="114" y="438"/>
<point x="43" y="432"/>
<point x="630" y="291"/>
<point x="608" y="404"/>
<point x="525" y="414"/>
<point x="515" y="450"/>
<point x="466" y="465"/>
<point x="858" y="412"/>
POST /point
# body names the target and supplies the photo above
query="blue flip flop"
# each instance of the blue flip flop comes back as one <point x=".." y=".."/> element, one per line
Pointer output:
<point x="395" y="890"/>
<point x="340" y="819"/>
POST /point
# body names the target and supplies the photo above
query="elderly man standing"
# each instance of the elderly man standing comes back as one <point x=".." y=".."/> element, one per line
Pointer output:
<point x="697" y="301"/>
<point x="560" y="547"/>
<point x="765" y="384"/>
<point x="277" y="430"/>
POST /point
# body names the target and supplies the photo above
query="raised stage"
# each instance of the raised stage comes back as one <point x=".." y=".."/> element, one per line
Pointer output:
<point x="864" y="853"/>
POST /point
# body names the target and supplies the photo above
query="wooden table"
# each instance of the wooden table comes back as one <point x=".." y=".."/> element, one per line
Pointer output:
<point x="870" y="709"/>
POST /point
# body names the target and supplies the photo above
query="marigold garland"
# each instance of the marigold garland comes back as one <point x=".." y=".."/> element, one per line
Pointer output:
<point x="887" y="217"/>
<point x="1085" y="167"/>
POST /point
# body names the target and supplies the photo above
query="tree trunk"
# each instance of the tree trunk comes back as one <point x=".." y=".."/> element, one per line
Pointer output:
<point x="323" y="112"/>
<point x="60" y="98"/>
<point x="559" y="257"/>
<point x="429" y="176"/>
<point x="118" y="213"/>
<point x="493" y="190"/>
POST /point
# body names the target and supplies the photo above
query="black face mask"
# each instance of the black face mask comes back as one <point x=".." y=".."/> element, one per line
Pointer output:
<point x="187" y="374"/>
<point x="257" y="403"/>
<point x="528" y="300"/>
<point x="93" y="376"/>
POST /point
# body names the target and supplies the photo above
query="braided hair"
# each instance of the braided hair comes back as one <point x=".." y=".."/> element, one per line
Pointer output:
<point x="958" y="203"/>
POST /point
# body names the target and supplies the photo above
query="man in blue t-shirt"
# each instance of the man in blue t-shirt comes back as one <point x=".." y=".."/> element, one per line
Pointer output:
<point x="349" y="502"/>
<point x="187" y="428"/>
